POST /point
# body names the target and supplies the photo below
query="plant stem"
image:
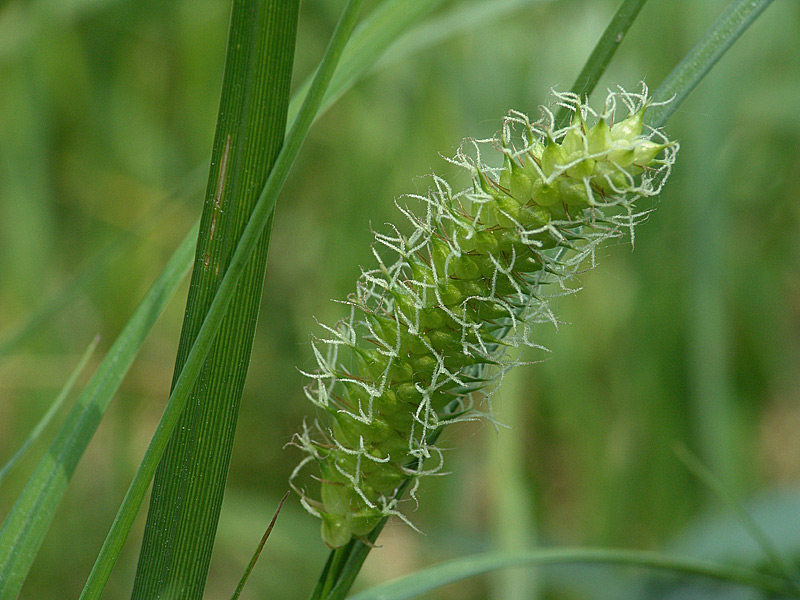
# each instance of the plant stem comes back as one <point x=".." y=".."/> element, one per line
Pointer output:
<point x="606" y="46"/>
<point x="26" y="524"/>
<point x="731" y="24"/>
<point x="51" y="412"/>
<point x="434" y="577"/>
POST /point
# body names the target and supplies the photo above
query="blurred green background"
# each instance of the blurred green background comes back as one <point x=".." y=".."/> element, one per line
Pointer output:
<point x="107" y="112"/>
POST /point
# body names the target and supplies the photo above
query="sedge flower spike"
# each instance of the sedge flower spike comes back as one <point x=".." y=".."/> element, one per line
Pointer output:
<point x="427" y="330"/>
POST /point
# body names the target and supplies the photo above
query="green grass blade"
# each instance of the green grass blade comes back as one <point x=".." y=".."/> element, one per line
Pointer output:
<point x="51" y="412"/>
<point x="211" y="324"/>
<point x="26" y="525"/>
<point x="169" y="419"/>
<point x="15" y="336"/>
<point x="246" y="575"/>
<point x="190" y="480"/>
<point x="397" y="29"/>
<point x="435" y="577"/>
<point x="739" y="15"/>
<point x="387" y="27"/>
<point x="460" y="18"/>
<point x="369" y="41"/>
<point x="603" y="52"/>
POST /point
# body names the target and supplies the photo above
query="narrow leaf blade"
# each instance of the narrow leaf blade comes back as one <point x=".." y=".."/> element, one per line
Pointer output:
<point x="25" y="526"/>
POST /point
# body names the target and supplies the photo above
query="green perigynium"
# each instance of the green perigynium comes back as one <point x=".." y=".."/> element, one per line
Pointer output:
<point x="429" y="329"/>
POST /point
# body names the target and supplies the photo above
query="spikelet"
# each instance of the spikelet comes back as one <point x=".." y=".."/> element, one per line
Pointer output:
<point x="429" y="328"/>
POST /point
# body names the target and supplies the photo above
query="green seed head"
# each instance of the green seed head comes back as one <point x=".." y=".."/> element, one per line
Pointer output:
<point x="427" y="332"/>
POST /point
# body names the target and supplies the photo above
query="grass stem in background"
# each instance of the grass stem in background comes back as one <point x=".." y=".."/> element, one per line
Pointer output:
<point x="716" y="416"/>
<point x="512" y="498"/>
<point x="606" y="46"/>
<point x="51" y="412"/>
<point x="731" y="24"/>
<point x="26" y="525"/>
<point x="437" y="576"/>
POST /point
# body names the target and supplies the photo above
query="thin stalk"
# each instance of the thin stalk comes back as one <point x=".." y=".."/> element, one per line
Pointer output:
<point x="432" y="578"/>
<point x="714" y="411"/>
<point x="254" y="559"/>
<point x="731" y="24"/>
<point x="512" y="497"/>
<point x="25" y="526"/>
<point x="343" y="566"/>
<point x="606" y="46"/>
<point x="317" y="592"/>
<point x="47" y="417"/>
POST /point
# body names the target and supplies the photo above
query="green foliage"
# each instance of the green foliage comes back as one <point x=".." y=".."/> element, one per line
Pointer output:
<point x="107" y="115"/>
<point x="25" y="526"/>
<point x="430" y="579"/>
<point x="190" y="481"/>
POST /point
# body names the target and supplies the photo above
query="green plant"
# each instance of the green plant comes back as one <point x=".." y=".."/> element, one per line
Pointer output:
<point x="24" y="529"/>
<point x="429" y="329"/>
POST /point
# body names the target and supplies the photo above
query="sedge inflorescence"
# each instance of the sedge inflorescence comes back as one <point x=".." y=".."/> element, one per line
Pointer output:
<point x="424" y="343"/>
